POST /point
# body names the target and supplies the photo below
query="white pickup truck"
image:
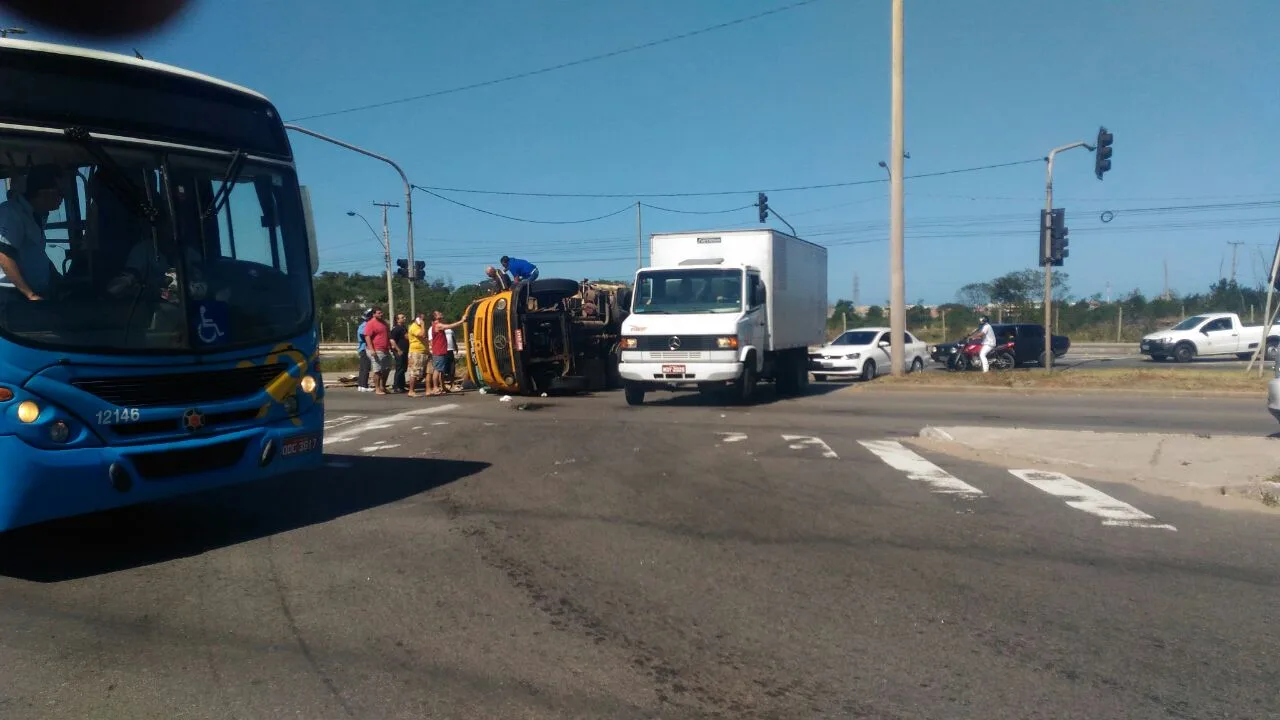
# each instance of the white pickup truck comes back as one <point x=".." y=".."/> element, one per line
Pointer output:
<point x="1210" y="335"/>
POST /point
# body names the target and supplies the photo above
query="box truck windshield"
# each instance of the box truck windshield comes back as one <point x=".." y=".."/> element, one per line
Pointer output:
<point x="688" y="291"/>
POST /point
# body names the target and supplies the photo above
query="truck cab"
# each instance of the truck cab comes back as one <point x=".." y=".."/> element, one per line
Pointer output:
<point x="1211" y="335"/>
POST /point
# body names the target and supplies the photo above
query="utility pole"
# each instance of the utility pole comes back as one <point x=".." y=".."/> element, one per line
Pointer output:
<point x="386" y="245"/>
<point x="639" y="239"/>
<point x="1166" y="278"/>
<point x="897" y="143"/>
<point x="1048" y="266"/>
<point x="857" y="291"/>
<point x="1234" y="246"/>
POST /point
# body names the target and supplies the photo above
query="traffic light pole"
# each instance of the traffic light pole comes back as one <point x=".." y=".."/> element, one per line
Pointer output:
<point x="408" y="188"/>
<point x="1048" y="266"/>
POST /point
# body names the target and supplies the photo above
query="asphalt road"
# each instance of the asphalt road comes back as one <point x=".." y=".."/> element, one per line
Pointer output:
<point x="574" y="557"/>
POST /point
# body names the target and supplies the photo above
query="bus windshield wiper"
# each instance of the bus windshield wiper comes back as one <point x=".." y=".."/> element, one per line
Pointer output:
<point x="115" y="176"/>
<point x="228" y="181"/>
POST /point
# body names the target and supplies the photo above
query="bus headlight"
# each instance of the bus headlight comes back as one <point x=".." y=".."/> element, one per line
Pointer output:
<point x="308" y="384"/>
<point x="28" y="412"/>
<point x="629" y="343"/>
<point x="727" y="343"/>
<point x="59" y="432"/>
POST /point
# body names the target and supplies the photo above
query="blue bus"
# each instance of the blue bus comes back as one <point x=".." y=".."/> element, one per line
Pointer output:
<point x="157" y="322"/>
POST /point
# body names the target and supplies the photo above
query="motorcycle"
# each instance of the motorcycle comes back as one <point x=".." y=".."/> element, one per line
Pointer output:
<point x="1000" y="358"/>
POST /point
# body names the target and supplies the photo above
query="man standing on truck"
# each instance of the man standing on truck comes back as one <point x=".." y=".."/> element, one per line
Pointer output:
<point x="521" y="270"/>
<point x="500" y="280"/>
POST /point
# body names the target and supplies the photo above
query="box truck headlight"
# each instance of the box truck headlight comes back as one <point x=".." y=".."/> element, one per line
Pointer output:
<point x="727" y="343"/>
<point x="629" y="343"/>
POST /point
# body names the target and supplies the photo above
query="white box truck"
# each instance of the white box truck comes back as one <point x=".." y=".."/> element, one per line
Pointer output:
<point x="720" y="311"/>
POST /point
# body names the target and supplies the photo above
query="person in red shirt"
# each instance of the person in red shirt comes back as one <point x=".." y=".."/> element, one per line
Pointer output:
<point x="440" y="351"/>
<point x="378" y="337"/>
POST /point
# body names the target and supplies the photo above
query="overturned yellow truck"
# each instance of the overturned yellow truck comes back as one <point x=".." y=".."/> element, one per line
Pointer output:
<point x="549" y="335"/>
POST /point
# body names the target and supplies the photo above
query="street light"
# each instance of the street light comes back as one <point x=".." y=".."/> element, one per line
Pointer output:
<point x="408" y="187"/>
<point x="386" y="248"/>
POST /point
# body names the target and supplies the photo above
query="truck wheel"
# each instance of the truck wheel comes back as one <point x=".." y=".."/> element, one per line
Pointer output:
<point x="1270" y="353"/>
<point x="746" y="385"/>
<point x="634" y="393"/>
<point x="1184" y="353"/>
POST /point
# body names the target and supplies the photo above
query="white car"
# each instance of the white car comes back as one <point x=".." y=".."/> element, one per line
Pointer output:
<point x="1273" y="392"/>
<point x="864" y="353"/>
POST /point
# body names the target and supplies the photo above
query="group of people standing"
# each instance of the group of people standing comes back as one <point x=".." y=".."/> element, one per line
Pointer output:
<point x="406" y="349"/>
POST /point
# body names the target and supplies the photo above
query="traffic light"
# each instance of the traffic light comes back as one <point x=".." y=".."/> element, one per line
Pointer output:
<point x="762" y="203"/>
<point x="402" y="268"/>
<point x="1053" y="237"/>
<point x="1102" y="155"/>
<point x="1058" y="237"/>
<point x="419" y="269"/>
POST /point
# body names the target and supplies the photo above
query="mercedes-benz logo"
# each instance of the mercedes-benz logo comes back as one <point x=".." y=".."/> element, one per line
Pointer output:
<point x="500" y="342"/>
<point x="674" y="343"/>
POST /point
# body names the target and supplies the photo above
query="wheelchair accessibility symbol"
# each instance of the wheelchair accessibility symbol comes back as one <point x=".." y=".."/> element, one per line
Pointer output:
<point x="213" y="321"/>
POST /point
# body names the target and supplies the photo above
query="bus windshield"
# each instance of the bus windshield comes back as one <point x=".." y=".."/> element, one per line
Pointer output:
<point x="122" y="247"/>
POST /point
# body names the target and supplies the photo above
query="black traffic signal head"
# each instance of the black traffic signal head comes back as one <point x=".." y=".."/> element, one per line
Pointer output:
<point x="1058" y="237"/>
<point x="419" y="269"/>
<point x="762" y="203"/>
<point x="402" y="268"/>
<point x="1102" y="155"/>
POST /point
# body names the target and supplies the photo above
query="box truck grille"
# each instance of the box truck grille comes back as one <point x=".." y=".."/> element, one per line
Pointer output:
<point x="682" y="343"/>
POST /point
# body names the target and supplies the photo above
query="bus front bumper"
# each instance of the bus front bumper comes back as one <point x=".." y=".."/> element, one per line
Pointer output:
<point x="39" y="484"/>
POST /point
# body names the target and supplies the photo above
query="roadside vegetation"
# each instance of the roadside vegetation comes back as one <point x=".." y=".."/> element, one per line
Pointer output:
<point x="1117" y="379"/>
<point x="1016" y="296"/>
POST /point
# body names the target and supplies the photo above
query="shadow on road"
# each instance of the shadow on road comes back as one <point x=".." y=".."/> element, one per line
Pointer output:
<point x="157" y="532"/>
<point x="766" y="394"/>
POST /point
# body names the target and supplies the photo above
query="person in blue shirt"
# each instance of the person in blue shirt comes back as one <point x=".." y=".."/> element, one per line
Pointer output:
<point x="520" y="269"/>
<point x="362" y="378"/>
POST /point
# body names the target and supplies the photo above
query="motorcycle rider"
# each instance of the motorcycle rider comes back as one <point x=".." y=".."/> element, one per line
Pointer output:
<point x="988" y="342"/>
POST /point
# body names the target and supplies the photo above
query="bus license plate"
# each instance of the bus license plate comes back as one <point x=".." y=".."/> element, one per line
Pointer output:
<point x="299" y="445"/>
<point x="673" y="369"/>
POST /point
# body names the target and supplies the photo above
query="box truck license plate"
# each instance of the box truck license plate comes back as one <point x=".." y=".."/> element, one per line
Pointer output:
<point x="672" y="369"/>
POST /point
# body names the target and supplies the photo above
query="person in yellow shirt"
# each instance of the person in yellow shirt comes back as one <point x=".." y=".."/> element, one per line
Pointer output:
<point x="417" y="354"/>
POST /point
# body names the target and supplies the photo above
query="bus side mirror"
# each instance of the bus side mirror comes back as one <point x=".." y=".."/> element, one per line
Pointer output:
<point x="309" y="219"/>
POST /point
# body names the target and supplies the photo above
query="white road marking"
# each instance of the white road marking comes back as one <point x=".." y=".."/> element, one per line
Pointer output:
<point x="440" y="422"/>
<point x="1090" y="500"/>
<point x="331" y="423"/>
<point x="376" y="448"/>
<point x="383" y="423"/>
<point x="732" y="437"/>
<point x="800" y="442"/>
<point x="898" y="457"/>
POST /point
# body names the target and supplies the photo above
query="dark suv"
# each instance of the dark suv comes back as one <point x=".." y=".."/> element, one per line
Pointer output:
<point x="1028" y="339"/>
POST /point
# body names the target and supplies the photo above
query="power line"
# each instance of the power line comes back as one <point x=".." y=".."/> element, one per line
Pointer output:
<point x="525" y="220"/>
<point x="561" y="66"/>
<point x="712" y="193"/>
<point x="698" y="212"/>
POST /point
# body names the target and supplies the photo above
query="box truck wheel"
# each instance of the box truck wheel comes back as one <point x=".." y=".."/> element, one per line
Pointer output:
<point x="746" y="385"/>
<point x="634" y="393"/>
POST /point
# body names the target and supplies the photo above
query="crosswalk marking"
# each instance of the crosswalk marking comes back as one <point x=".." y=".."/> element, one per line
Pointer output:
<point x="800" y="442"/>
<point x="331" y="423"/>
<point x="916" y="467"/>
<point x="1088" y="499"/>
<point x="732" y="437"/>
<point x="382" y="423"/>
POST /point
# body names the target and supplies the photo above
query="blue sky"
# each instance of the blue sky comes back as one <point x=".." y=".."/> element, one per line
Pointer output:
<point x="796" y="98"/>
